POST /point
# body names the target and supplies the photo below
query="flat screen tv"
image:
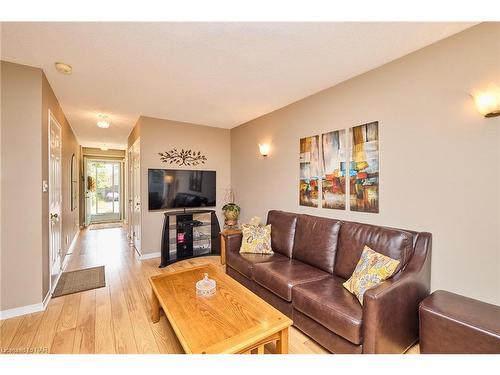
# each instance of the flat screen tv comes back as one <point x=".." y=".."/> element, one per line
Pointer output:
<point x="177" y="188"/>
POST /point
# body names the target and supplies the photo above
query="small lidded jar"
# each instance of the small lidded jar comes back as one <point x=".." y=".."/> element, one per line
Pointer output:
<point x="205" y="287"/>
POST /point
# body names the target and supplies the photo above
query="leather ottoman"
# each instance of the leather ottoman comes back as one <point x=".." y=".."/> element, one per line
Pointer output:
<point x="450" y="323"/>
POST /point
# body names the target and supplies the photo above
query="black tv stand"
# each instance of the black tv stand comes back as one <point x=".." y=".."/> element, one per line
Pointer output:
<point x="192" y="234"/>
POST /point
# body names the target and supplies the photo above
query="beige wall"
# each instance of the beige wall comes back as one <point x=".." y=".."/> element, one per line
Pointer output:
<point x="21" y="186"/>
<point x="157" y="135"/>
<point x="1" y="178"/>
<point x="26" y="99"/>
<point x="439" y="159"/>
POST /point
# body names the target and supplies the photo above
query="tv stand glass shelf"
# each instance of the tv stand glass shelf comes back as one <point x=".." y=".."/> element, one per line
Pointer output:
<point x="189" y="234"/>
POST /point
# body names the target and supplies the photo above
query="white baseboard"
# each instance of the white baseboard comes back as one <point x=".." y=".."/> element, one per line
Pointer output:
<point x="150" y="256"/>
<point x="30" y="309"/>
<point x="23" y="310"/>
<point x="37" y="307"/>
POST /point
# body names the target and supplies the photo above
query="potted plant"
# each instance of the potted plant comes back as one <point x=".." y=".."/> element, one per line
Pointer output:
<point x="231" y="213"/>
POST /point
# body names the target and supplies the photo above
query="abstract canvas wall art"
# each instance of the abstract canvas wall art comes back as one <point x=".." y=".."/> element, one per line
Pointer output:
<point x="364" y="168"/>
<point x="333" y="162"/>
<point x="309" y="171"/>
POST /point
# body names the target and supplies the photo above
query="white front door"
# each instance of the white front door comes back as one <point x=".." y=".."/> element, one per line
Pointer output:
<point x="55" y="200"/>
<point x="104" y="196"/>
<point x="88" y="193"/>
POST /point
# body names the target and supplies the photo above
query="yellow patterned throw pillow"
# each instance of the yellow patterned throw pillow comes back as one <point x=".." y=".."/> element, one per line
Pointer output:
<point x="256" y="239"/>
<point x="371" y="270"/>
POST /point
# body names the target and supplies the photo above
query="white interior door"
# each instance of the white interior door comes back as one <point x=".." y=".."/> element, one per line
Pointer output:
<point x="136" y="188"/>
<point x="130" y="196"/>
<point x="55" y="200"/>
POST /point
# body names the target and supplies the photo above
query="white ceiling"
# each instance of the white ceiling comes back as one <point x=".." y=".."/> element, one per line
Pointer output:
<point x="215" y="74"/>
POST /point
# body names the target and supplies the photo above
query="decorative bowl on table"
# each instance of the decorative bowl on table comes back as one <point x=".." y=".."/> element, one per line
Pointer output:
<point x="206" y="287"/>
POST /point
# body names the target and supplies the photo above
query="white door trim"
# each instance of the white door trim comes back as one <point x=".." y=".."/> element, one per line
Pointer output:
<point x="51" y="117"/>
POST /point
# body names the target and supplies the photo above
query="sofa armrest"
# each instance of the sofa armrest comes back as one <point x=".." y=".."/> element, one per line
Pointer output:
<point x="233" y="242"/>
<point x="390" y="310"/>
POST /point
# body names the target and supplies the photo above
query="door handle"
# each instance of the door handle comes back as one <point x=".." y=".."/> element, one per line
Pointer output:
<point x="54" y="216"/>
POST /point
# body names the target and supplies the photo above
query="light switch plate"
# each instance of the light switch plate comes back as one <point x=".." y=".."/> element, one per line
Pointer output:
<point x="45" y="186"/>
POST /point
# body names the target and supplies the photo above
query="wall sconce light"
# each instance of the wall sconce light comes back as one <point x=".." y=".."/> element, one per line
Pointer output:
<point x="264" y="149"/>
<point x="488" y="101"/>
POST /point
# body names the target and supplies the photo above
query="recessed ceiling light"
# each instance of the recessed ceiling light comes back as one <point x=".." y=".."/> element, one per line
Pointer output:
<point x="63" y="68"/>
<point x="104" y="148"/>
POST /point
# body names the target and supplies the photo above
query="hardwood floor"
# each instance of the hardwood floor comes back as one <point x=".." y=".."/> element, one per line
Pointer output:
<point x="113" y="319"/>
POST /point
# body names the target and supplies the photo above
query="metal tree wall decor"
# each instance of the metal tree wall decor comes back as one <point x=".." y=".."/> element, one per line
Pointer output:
<point x="182" y="157"/>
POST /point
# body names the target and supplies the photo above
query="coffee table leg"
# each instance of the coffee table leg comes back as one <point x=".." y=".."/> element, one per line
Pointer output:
<point x="155" y="308"/>
<point x="282" y="343"/>
<point x="258" y="350"/>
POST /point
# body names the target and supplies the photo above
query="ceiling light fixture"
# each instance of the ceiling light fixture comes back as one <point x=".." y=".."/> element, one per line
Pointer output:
<point x="63" y="68"/>
<point x="103" y="122"/>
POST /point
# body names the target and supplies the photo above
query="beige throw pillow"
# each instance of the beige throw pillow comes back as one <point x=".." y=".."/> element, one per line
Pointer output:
<point x="256" y="239"/>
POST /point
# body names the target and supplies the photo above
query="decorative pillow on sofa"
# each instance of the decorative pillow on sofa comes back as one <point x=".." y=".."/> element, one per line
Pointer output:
<point x="371" y="270"/>
<point x="256" y="239"/>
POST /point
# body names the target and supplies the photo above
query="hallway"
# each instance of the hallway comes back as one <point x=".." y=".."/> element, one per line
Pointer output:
<point x="113" y="319"/>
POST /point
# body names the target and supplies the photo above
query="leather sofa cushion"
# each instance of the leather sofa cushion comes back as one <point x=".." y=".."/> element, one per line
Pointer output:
<point x="281" y="277"/>
<point x="316" y="241"/>
<point x="282" y="231"/>
<point x="394" y="243"/>
<point x="244" y="263"/>
<point x="330" y="304"/>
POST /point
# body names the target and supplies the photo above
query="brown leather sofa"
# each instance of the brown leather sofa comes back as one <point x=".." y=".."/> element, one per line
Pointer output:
<point x="313" y="256"/>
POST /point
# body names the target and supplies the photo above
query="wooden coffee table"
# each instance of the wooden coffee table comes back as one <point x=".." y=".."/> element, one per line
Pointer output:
<point x="234" y="320"/>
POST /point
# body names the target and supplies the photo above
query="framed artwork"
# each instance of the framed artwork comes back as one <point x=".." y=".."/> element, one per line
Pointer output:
<point x="309" y="171"/>
<point x="333" y="162"/>
<point x="364" y="168"/>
